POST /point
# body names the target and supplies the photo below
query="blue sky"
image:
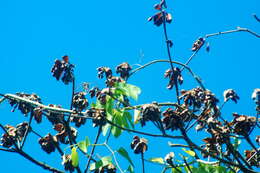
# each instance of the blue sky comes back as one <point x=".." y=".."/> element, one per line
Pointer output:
<point x="105" y="33"/>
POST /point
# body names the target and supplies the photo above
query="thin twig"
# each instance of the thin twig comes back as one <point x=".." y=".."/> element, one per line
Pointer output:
<point x="187" y="165"/>
<point x="221" y="33"/>
<point x="143" y="133"/>
<point x="256" y="18"/>
<point x="197" y="78"/>
<point x="113" y="153"/>
<point x="93" y="148"/>
<point x="8" y="150"/>
<point x="41" y="164"/>
<point x="2" y="99"/>
<point x="177" y="145"/>
<point x="239" y="29"/>
<point x="169" y="56"/>
<point x="27" y="131"/>
<point x="142" y="158"/>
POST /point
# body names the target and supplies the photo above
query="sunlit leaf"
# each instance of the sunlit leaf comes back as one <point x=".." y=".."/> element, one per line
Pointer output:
<point x="128" y="116"/>
<point x="124" y="153"/>
<point x="136" y="115"/>
<point x="189" y="152"/>
<point x="96" y="165"/>
<point x="83" y="145"/>
<point x="105" y="129"/>
<point x="115" y="130"/>
<point x="106" y="160"/>
<point x="74" y="157"/>
<point x="129" y="90"/>
<point x="157" y="160"/>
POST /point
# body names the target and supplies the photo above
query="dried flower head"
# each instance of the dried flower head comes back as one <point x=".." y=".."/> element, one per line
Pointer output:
<point x="48" y="143"/>
<point x="230" y="94"/>
<point x="98" y="116"/>
<point x="256" y="96"/>
<point x="160" y="17"/>
<point x="149" y="112"/>
<point x="198" y="44"/>
<point x="54" y="117"/>
<point x="24" y="107"/>
<point x="67" y="163"/>
<point x="243" y="124"/>
<point x="62" y="135"/>
<point x="79" y="101"/>
<point x="174" y="119"/>
<point x="124" y="70"/>
<point x="139" y="145"/>
<point x="63" y="67"/>
<point x="169" y="158"/>
<point x="104" y="70"/>
<point x="174" y="77"/>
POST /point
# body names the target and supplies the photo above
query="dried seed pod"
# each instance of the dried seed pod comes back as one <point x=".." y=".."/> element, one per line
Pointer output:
<point x="55" y="118"/>
<point x="173" y="76"/>
<point x="150" y="112"/>
<point x="210" y="146"/>
<point x="110" y="82"/>
<point x="139" y="145"/>
<point x="93" y="91"/>
<point x="37" y="114"/>
<point x="230" y="94"/>
<point x="124" y="70"/>
<point x="243" y="124"/>
<point x="78" y="121"/>
<point x="104" y="70"/>
<point x="171" y="119"/>
<point x="24" y="107"/>
<point x="67" y="163"/>
<point x="68" y="75"/>
<point x="169" y="158"/>
<point x="48" y="143"/>
<point x="101" y="96"/>
<point x="9" y="138"/>
<point x="198" y="44"/>
<point x="79" y="101"/>
<point x="21" y="129"/>
<point x="256" y="96"/>
<point x="63" y="67"/>
<point x="62" y="135"/>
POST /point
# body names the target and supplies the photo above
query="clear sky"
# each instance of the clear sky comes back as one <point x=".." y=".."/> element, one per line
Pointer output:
<point x="105" y="33"/>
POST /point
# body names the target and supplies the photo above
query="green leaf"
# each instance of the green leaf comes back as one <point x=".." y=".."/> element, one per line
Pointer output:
<point x="136" y="116"/>
<point x="74" y="157"/>
<point x="189" y="152"/>
<point x="105" y="129"/>
<point x="106" y="160"/>
<point x="129" y="90"/>
<point x="176" y="170"/>
<point x="128" y="116"/>
<point x="83" y="145"/>
<point x="130" y="169"/>
<point x="157" y="160"/>
<point x="124" y="153"/>
<point x="103" y="162"/>
<point x="116" y="131"/>
<point x="109" y="104"/>
<point x="117" y="119"/>
<point x="96" y="165"/>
